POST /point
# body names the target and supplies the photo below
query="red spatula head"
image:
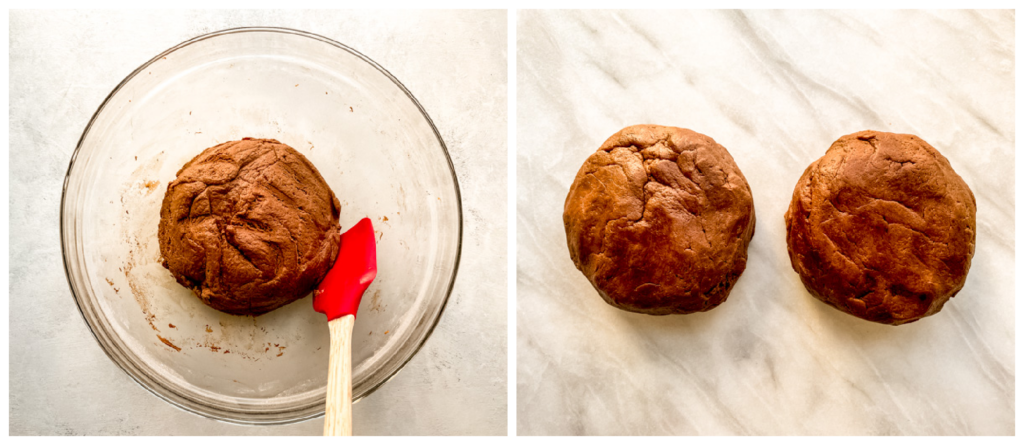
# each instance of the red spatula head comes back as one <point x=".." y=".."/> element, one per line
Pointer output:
<point x="356" y="267"/>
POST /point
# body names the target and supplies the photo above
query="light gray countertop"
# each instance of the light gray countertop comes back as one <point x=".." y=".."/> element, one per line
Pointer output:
<point x="62" y="65"/>
<point x="776" y="88"/>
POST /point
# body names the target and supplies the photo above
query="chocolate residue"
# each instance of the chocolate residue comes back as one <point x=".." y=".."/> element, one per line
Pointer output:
<point x="168" y="343"/>
<point x="111" y="283"/>
<point x="135" y="250"/>
<point x="375" y="302"/>
<point x="170" y="325"/>
<point x="208" y="328"/>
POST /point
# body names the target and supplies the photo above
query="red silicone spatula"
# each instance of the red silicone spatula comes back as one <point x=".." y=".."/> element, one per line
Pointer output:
<point x="338" y="296"/>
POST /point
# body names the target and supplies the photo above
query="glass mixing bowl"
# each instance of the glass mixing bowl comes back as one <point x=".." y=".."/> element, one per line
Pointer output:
<point x="368" y="137"/>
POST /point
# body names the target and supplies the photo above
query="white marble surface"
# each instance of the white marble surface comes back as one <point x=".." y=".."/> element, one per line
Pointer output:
<point x="62" y="65"/>
<point x="776" y="89"/>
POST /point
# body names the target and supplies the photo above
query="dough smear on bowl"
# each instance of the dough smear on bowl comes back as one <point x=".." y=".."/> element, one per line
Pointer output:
<point x="882" y="228"/>
<point x="249" y="226"/>
<point x="659" y="220"/>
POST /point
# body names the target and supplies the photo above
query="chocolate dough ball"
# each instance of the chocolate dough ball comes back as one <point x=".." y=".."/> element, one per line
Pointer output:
<point x="659" y="220"/>
<point x="249" y="226"/>
<point x="882" y="228"/>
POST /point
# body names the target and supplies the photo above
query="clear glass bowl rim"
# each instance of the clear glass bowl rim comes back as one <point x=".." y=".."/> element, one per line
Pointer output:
<point x="183" y="401"/>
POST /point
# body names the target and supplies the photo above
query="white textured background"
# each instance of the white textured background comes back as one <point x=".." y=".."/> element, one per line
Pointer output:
<point x="62" y="65"/>
<point x="776" y="88"/>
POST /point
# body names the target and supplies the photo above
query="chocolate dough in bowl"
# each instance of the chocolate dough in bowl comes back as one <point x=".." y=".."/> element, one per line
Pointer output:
<point x="365" y="134"/>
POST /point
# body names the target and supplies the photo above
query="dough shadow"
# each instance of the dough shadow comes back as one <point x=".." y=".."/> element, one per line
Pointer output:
<point x="849" y="330"/>
<point x="676" y="324"/>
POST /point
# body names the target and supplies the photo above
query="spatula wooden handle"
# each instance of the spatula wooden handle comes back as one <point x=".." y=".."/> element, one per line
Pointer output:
<point x="338" y="417"/>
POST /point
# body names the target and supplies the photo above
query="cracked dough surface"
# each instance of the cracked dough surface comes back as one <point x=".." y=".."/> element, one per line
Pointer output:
<point x="882" y="228"/>
<point x="659" y="220"/>
<point x="249" y="226"/>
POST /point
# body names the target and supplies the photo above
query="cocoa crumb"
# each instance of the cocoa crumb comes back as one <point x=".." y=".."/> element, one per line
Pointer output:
<point x="168" y="343"/>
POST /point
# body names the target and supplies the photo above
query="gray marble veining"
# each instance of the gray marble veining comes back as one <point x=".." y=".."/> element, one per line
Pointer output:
<point x="62" y="65"/>
<point x="776" y="88"/>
